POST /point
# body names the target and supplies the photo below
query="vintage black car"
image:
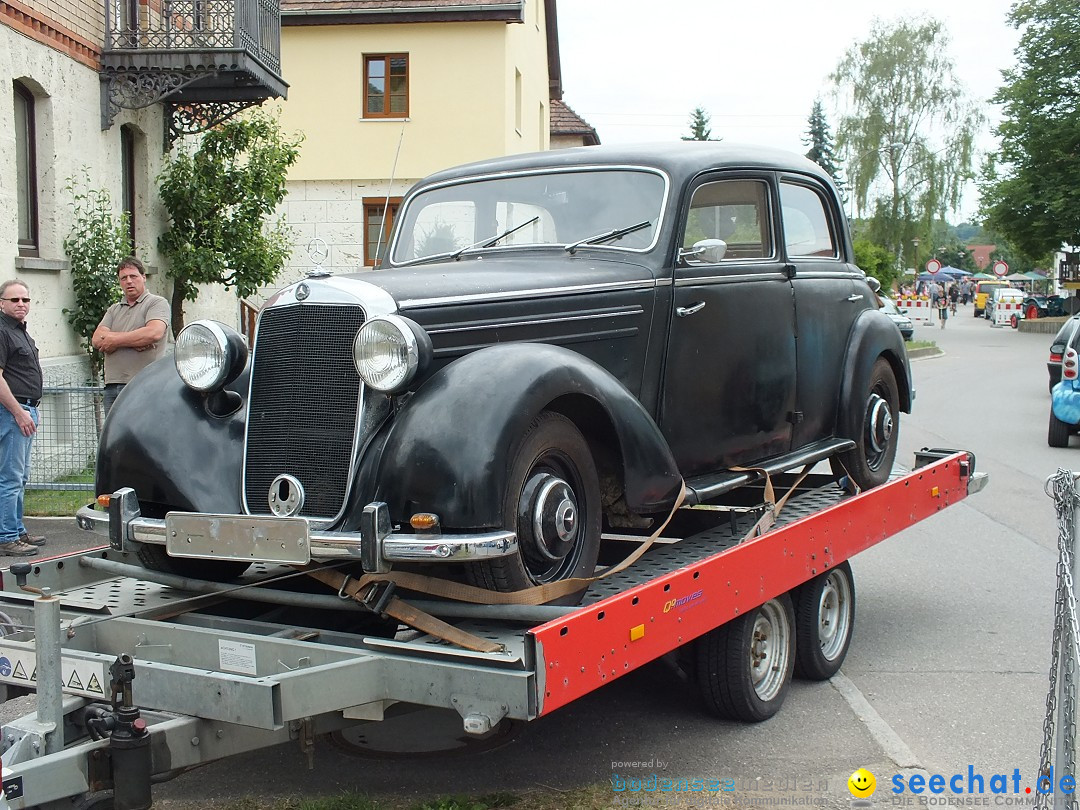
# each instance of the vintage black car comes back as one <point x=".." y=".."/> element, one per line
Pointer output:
<point x="553" y="344"/>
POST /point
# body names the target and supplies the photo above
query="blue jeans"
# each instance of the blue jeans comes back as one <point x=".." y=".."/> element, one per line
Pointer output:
<point x="14" y="474"/>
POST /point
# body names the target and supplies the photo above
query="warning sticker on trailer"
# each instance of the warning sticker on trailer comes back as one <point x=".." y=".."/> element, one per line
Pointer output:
<point x="19" y="667"/>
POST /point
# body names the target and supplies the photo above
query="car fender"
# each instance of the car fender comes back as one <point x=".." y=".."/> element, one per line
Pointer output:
<point x="450" y="447"/>
<point x="160" y="440"/>
<point x="873" y="335"/>
<point x="1065" y="402"/>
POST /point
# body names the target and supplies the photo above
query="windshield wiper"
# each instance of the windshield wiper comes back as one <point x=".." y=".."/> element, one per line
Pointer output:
<point x="484" y="243"/>
<point x="606" y="236"/>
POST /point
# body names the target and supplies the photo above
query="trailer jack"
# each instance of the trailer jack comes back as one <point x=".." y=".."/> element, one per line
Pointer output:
<point x="129" y="740"/>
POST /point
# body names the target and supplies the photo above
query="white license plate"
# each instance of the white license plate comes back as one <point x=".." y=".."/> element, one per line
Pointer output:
<point x="236" y="537"/>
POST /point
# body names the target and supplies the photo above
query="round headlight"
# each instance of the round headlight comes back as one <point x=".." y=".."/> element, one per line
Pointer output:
<point x="208" y="355"/>
<point x="387" y="352"/>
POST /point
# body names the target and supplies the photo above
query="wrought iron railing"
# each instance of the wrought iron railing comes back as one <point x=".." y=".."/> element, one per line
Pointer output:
<point x="197" y="25"/>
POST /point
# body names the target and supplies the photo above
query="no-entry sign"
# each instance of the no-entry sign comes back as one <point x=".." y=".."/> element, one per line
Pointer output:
<point x="933" y="266"/>
<point x="1000" y="268"/>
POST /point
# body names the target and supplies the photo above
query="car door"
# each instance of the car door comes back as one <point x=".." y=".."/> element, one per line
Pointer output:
<point x="729" y="381"/>
<point x="829" y="295"/>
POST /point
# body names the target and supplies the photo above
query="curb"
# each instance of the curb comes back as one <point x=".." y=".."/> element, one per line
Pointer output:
<point x="922" y="354"/>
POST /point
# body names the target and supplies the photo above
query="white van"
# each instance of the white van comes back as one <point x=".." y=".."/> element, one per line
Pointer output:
<point x="1000" y="294"/>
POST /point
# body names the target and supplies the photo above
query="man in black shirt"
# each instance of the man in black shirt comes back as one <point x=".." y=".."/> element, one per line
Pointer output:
<point x="20" y="395"/>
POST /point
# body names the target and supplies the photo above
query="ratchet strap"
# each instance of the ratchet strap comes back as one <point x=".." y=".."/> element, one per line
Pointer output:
<point x="377" y="591"/>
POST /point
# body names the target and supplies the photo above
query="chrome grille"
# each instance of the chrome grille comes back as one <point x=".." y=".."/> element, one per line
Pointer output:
<point x="304" y="405"/>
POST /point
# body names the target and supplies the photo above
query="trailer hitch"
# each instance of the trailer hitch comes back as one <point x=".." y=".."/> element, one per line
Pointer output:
<point x="129" y="740"/>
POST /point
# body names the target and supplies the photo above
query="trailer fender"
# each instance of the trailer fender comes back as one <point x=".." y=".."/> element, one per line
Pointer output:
<point x="450" y="448"/>
<point x="160" y="440"/>
<point x="872" y="336"/>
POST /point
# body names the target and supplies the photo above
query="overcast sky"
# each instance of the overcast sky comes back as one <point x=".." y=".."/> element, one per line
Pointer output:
<point x="634" y="69"/>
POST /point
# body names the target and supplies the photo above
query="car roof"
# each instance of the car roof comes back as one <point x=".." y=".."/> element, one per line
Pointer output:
<point x="679" y="159"/>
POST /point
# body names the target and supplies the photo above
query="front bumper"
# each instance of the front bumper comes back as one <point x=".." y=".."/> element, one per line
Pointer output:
<point x="256" y="538"/>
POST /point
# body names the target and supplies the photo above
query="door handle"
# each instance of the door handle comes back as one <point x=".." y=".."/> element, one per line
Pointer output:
<point x="682" y="312"/>
<point x="854" y="297"/>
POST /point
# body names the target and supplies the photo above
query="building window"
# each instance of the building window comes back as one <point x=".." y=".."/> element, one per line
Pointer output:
<point x="377" y="226"/>
<point x="386" y="86"/>
<point x="26" y="171"/>
<point x="127" y="179"/>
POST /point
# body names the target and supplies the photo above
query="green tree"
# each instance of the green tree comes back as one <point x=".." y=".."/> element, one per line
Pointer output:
<point x="699" y="126"/>
<point x="820" y="140"/>
<point x="1030" y="191"/>
<point x="909" y="130"/>
<point x="220" y="199"/>
<point x="876" y="261"/>
<point x="98" y="240"/>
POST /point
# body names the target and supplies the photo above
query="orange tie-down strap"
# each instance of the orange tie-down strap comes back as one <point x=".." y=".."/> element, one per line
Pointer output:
<point x="372" y="589"/>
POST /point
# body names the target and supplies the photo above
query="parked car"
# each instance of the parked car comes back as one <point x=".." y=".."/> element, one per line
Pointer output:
<point x="1000" y="295"/>
<point x="1065" y="396"/>
<point x="553" y="344"/>
<point x="902" y="321"/>
<point x="1043" y="306"/>
<point x="1057" y="348"/>
<point x="982" y="292"/>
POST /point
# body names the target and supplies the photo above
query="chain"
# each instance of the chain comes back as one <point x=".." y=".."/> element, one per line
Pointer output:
<point x="1065" y="639"/>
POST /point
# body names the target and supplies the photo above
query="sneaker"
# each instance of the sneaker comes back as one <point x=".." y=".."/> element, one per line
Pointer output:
<point x="32" y="539"/>
<point x="17" y="548"/>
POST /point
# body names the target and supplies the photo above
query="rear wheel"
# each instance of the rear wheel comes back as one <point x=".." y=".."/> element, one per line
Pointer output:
<point x="553" y="504"/>
<point x="742" y="669"/>
<point x="1058" y="434"/>
<point x="870" y="462"/>
<point x="1032" y="312"/>
<point x="824" y="620"/>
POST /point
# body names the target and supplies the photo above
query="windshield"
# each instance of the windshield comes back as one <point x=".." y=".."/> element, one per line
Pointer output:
<point x="550" y="208"/>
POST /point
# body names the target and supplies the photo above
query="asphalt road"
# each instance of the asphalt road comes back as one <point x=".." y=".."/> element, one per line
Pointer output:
<point x="947" y="668"/>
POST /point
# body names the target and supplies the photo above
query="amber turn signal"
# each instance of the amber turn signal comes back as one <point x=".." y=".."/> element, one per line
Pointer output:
<point x="424" y="521"/>
<point x="104" y="501"/>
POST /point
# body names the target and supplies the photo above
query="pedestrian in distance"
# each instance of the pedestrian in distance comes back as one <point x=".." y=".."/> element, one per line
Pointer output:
<point x="943" y="310"/>
<point x="20" y="394"/>
<point x="132" y="333"/>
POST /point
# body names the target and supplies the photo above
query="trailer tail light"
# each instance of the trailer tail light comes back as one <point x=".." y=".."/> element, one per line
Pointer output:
<point x="1069" y="365"/>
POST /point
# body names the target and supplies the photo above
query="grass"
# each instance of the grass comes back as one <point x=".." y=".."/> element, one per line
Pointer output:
<point x="594" y="797"/>
<point x="920" y="344"/>
<point x="63" y="502"/>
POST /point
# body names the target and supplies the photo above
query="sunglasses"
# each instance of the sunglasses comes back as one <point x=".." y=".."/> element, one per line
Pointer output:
<point x="16" y="300"/>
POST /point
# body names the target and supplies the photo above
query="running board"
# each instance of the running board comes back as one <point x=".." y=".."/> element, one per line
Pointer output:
<point x="707" y="487"/>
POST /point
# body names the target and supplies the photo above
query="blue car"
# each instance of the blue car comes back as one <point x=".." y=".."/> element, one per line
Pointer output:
<point x="1065" y="401"/>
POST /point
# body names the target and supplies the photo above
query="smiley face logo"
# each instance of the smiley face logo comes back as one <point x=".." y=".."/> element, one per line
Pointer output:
<point x="862" y="784"/>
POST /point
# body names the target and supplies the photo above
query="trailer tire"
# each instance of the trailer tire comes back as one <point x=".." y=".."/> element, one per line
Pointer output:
<point x="743" y="668"/>
<point x="554" y="486"/>
<point x="100" y="800"/>
<point x="1058" y="433"/>
<point x="155" y="558"/>
<point x="824" y="620"/>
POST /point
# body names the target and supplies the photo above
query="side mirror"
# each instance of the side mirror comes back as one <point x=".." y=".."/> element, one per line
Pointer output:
<point x="707" y="251"/>
<point x="875" y="285"/>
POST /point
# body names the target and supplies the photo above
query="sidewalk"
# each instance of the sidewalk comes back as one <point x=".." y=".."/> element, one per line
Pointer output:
<point x="64" y="537"/>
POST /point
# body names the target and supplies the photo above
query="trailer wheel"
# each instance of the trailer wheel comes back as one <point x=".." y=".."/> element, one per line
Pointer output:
<point x="101" y="800"/>
<point x="553" y="503"/>
<point x="743" y="668"/>
<point x="1058" y="434"/>
<point x="155" y="558"/>
<point x="824" y="619"/>
<point x="870" y="462"/>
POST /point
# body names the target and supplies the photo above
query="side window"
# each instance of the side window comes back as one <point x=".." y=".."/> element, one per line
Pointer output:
<point x="806" y="222"/>
<point x="26" y="171"/>
<point x="735" y="212"/>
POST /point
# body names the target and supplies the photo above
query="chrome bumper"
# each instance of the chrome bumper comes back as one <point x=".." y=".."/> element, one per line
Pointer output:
<point x="286" y="540"/>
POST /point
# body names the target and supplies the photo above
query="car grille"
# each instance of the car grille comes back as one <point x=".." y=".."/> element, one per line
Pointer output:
<point x="304" y="405"/>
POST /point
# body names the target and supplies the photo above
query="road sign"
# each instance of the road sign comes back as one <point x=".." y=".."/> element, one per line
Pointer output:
<point x="1000" y="269"/>
<point x="933" y="266"/>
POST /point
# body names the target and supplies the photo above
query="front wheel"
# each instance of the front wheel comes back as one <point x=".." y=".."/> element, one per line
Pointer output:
<point x="824" y="619"/>
<point x="552" y="502"/>
<point x="155" y="558"/>
<point x="743" y="668"/>
<point x="870" y="462"/>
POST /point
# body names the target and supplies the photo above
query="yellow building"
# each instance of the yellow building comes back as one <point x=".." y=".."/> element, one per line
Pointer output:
<point x="388" y="91"/>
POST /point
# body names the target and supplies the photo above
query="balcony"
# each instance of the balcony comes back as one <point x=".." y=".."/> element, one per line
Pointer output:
<point x="204" y="59"/>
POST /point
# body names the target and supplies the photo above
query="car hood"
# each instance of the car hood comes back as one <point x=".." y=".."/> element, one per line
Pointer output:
<point x="487" y="279"/>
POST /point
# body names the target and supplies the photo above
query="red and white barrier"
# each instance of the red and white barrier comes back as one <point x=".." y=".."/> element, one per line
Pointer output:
<point x="919" y="310"/>
<point x="1004" y="312"/>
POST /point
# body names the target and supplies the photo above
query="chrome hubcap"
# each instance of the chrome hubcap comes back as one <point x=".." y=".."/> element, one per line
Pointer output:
<point x="879" y="424"/>
<point x="548" y="505"/>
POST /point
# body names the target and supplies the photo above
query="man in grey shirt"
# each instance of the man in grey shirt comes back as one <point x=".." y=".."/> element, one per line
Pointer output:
<point x="132" y="333"/>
